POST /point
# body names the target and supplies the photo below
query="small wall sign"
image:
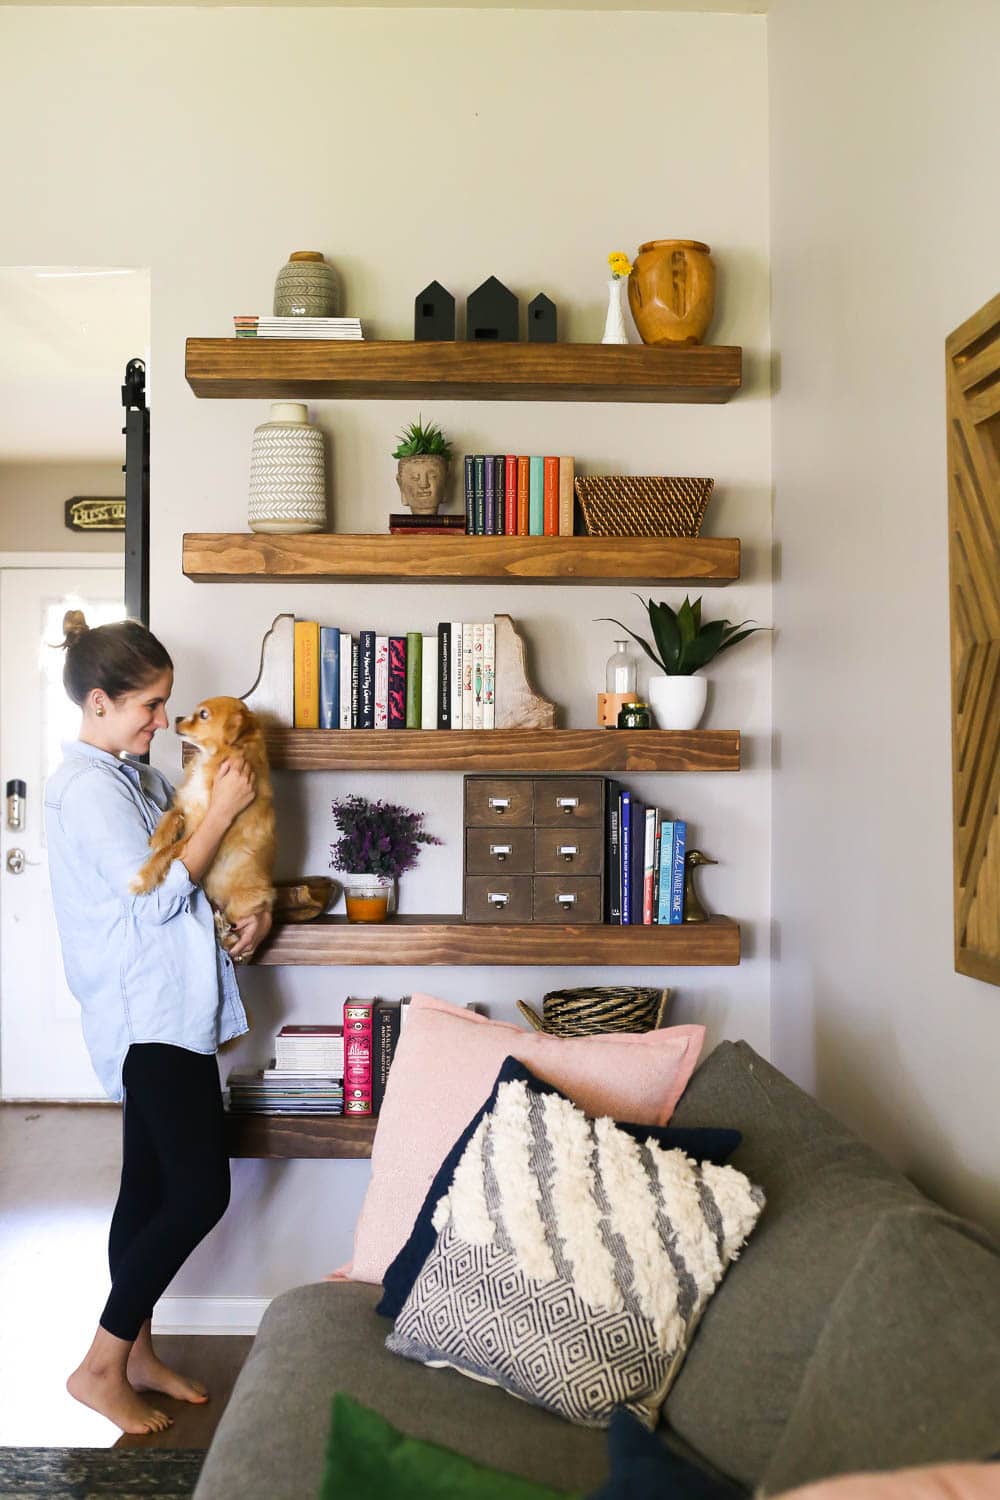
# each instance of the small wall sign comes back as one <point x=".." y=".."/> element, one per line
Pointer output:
<point x="91" y="513"/>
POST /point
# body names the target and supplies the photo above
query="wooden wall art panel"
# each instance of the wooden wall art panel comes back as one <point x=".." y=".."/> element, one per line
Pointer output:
<point x="973" y="393"/>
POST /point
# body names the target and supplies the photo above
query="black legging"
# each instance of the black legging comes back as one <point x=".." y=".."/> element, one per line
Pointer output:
<point x="175" y="1176"/>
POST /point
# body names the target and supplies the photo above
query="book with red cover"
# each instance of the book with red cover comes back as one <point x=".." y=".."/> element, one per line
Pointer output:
<point x="397" y="683"/>
<point x="510" y="495"/>
<point x="550" y="497"/>
<point x="358" y="1056"/>
<point x="523" y="486"/>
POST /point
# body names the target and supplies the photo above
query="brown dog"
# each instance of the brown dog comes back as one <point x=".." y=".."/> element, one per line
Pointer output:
<point x="239" y="880"/>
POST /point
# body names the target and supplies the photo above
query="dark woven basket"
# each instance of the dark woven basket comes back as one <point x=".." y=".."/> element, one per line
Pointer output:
<point x="642" y="504"/>
<point x="590" y="1009"/>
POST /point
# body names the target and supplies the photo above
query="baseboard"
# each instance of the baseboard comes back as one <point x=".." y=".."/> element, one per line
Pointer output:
<point x="232" y="1315"/>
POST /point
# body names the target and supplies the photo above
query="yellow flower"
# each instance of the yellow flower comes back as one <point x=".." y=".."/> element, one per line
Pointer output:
<point x="619" y="263"/>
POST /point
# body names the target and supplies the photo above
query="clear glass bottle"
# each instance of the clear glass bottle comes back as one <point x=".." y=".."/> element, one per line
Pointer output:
<point x="622" y="672"/>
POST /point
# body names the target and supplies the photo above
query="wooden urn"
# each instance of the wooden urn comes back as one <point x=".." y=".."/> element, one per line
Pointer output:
<point x="671" y="291"/>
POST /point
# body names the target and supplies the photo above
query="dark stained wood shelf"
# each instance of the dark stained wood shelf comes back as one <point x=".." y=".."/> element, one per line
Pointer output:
<point x="296" y="369"/>
<point x="312" y="557"/>
<point x="433" y="940"/>
<point x="504" y="750"/>
<point x="300" y="1135"/>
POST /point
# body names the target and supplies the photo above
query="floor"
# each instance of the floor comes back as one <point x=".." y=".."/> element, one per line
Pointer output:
<point x="54" y="1221"/>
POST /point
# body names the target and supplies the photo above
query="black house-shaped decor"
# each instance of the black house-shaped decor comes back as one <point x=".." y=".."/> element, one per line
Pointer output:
<point x="491" y="314"/>
<point x="434" y="313"/>
<point x="542" y="320"/>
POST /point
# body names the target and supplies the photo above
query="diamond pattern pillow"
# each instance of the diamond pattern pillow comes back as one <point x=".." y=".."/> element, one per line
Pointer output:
<point x="572" y="1261"/>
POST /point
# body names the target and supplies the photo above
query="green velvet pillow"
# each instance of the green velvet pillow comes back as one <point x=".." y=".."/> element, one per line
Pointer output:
<point x="367" y="1458"/>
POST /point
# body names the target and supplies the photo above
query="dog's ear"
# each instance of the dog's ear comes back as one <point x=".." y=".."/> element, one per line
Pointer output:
<point x="240" y="724"/>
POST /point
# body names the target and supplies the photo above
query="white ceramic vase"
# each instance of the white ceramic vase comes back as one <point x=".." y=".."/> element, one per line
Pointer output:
<point x="287" y="472"/>
<point x="677" y="702"/>
<point x="615" y="331"/>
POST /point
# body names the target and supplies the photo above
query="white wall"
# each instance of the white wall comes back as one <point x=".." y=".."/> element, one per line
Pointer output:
<point x="33" y="505"/>
<point x="885" y="231"/>
<point x="408" y="145"/>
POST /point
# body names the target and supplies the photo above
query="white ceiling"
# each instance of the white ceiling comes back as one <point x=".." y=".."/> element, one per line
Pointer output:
<point x="66" y="334"/>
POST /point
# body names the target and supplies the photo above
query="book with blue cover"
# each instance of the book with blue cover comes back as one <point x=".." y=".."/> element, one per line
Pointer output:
<point x="666" y="871"/>
<point x="677" y="874"/>
<point x="329" y="677"/>
<point x="536" y="496"/>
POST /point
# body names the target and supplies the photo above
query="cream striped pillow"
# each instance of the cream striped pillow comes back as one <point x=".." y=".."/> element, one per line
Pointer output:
<point x="572" y="1261"/>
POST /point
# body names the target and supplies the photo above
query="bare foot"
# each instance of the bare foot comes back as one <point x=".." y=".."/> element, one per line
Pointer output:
<point x="110" y="1394"/>
<point x="147" y="1373"/>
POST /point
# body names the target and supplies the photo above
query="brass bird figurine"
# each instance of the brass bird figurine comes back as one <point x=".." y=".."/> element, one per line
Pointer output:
<point x="693" y="909"/>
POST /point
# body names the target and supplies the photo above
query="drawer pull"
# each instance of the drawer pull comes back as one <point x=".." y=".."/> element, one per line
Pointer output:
<point x="500" y="852"/>
<point x="568" y="851"/>
<point x="499" y="804"/>
<point x="498" y="898"/>
<point x="565" y="899"/>
<point x="567" y="804"/>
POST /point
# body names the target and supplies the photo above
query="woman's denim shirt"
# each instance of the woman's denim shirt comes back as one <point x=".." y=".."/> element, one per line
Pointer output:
<point x="144" y="968"/>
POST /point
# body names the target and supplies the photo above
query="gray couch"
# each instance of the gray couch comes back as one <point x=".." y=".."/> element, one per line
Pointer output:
<point x="860" y="1328"/>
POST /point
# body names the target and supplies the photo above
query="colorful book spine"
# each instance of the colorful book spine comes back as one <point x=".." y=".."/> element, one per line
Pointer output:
<point x="489" y="675"/>
<point x="477" y="676"/>
<point x="428" y="683"/>
<point x="523" y="495"/>
<point x="536" y="496"/>
<point x="510" y="494"/>
<point x="444" y="675"/>
<point x="385" y="1035"/>
<point x="381" y="709"/>
<point x="356" y="680"/>
<point x="467" y="671"/>
<point x="306" y="674"/>
<point x="637" y="860"/>
<point x="329" y="677"/>
<point x="470" y="493"/>
<point x="347" y="645"/>
<point x="567" y="498"/>
<point x="489" y="496"/>
<point x="613" y="882"/>
<point x="457" y="674"/>
<point x="479" y="493"/>
<point x="414" y="679"/>
<point x="550" y="497"/>
<point x="396" y="716"/>
<point x="366" y="680"/>
<point x="656" y="865"/>
<point x="358" y="1056"/>
<point x="499" y="493"/>
<point x="666" y="870"/>
<point x="677" y="874"/>
<point x="649" y="849"/>
<point x="626" y="857"/>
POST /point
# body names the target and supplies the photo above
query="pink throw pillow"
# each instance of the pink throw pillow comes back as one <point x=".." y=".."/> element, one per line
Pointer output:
<point x="445" y="1066"/>
<point x="941" y="1482"/>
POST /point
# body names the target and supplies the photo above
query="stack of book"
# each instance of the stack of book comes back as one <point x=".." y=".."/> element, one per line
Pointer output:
<point x="404" y="523"/>
<point x="645" y="862"/>
<point x="306" y="1076"/>
<point x="310" y="1049"/>
<point x="511" y="494"/>
<point x="412" y="681"/>
<point x="256" y="326"/>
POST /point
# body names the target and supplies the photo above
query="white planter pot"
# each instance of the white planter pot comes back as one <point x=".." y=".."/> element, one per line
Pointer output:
<point x="677" y="702"/>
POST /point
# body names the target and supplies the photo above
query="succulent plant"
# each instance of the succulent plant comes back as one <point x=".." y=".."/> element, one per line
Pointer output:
<point x="418" y="439"/>
<point x="682" y="643"/>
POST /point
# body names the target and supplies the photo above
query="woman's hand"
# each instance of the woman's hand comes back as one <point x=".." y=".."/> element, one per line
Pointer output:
<point x="234" y="790"/>
<point x="252" y="931"/>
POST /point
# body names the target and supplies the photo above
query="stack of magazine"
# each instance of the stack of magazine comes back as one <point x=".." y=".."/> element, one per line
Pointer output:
<point x="306" y="1076"/>
<point x="258" y="326"/>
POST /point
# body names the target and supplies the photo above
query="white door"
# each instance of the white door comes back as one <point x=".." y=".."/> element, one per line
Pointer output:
<point x="42" y="1055"/>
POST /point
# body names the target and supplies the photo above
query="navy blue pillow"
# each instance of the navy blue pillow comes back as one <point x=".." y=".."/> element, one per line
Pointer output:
<point x="644" y="1468"/>
<point x="712" y="1145"/>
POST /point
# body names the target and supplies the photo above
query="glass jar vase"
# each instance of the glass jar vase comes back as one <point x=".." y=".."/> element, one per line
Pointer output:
<point x="368" y="897"/>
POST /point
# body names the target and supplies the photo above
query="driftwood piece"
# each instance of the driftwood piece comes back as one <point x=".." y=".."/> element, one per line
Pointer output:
<point x="518" y="704"/>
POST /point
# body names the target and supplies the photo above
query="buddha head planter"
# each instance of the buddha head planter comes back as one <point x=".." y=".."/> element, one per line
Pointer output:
<point x="423" y="457"/>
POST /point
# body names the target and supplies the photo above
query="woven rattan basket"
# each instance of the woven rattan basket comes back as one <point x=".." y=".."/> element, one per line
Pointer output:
<point x="599" y="1007"/>
<point x="642" y="504"/>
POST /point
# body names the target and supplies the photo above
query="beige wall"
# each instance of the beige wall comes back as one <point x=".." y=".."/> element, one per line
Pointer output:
<point x="33" y="505"/>
<point x="411" y="145"/>
<point x="885" y="234"/>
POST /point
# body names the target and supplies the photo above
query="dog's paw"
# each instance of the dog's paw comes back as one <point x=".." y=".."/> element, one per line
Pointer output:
<point x="139" y="884"/>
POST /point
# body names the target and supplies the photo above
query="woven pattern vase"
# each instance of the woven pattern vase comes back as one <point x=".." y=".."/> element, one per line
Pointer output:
<point x="306" y="287"/>
<point x="287" y="473"/>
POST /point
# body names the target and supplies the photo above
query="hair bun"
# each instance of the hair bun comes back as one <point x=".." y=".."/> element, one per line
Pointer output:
<point x="74" y="626"/>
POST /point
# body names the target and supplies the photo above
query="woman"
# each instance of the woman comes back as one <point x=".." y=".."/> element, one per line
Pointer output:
<point x="158" y="996"/>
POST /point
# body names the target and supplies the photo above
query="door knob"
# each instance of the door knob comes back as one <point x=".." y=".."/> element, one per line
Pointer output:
<point x="15" y="861"/>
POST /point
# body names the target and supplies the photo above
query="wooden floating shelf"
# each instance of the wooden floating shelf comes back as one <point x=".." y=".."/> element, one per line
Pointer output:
<point x="504" y="750"/>
<point x="434" y="940"/>
<point x="315" y="557"/>
<point x="301" y="1135"/>
<point x="282" y="369"/>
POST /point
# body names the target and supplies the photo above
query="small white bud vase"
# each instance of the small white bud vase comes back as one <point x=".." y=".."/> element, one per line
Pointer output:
<point x="677" y="702"/>
<point x="614" y="325"/>
<point x="287" y="472"/>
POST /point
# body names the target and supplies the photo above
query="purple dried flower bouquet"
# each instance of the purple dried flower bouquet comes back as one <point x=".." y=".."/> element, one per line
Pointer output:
<point x="377" y="838"/>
